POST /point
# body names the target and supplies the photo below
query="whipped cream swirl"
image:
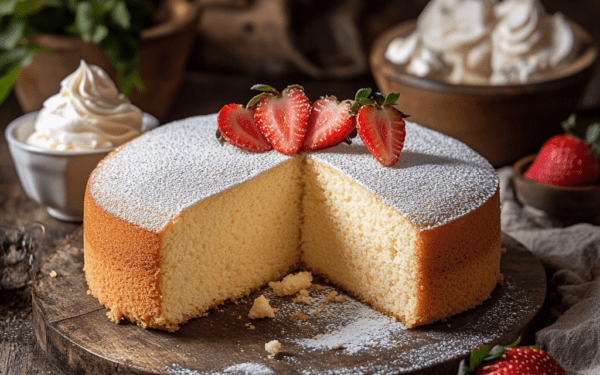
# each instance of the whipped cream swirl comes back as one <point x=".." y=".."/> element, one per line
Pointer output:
<point x="87" y="113"/>
<point x="527" y="42"/>
<point x="485" y="42"/>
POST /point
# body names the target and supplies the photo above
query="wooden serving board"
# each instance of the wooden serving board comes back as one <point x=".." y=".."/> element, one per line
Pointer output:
<point x="345" y="337"/>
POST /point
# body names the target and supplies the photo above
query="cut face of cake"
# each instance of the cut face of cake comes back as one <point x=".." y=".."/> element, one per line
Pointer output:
<point x="176" y="223"/>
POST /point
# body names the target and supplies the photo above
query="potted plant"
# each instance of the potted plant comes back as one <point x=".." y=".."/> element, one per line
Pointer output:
<point x="142" y="44"/>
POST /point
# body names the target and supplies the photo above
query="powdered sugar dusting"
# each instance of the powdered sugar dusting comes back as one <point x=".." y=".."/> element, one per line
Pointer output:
<point x="249" y="369"/>
<point x="436" y="180"/>
<point x="241" y="369"/>
<point x="357" y="328"/>
<point x="345" y="336"/>
<point x="350" y="328"/>
<point x="161" y="173"/>
<point x="154" y="178"/>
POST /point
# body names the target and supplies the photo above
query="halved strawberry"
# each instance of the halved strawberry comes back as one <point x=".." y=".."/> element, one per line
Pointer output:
<point x="380" y="126"/>
<point x="238" y="127"/>
<point x="510" y="360"/>
<point x="330" y="122"/>
<point x="282" y="117"/>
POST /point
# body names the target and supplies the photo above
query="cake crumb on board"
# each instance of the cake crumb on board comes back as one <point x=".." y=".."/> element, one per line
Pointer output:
<point x="261" y="309"/>
<point x="302" y="297"/>
<point x="292" y="283"/>
<point x="298" y="316"/>
<point x="273" y="347"/>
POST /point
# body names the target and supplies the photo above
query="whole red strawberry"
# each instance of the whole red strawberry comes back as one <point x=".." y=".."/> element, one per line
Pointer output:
<point x="238" y="127"/>
<point x="510" y="360"/>
<point x="282" y="117"/>
<point x="330" y="123"/>
<point x="380" y="126"/>
<point x="566" y="160"/>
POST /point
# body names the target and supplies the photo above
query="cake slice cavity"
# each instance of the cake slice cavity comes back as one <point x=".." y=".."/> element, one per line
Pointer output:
<point x="235" y="242"/>
<point x="350" y="237"/>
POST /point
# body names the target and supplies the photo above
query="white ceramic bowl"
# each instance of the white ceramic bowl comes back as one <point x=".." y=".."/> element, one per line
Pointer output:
<point x="56" y="179"/>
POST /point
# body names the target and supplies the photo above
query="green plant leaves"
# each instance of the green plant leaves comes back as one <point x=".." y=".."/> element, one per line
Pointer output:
<point x="11" y="65"/>
<point x="122" y="51"/>
<point x="100" y="32"/>
<point x="114" y="24"/>
<point x="7" y="7"/>
<point x="120" y="15"/>
<point x="84" y="19"/>
<point x="89" y="19"/>
<point x="8" y="81"/>
<point x="24" y="8"/>
<point x="129" y="81"/>
<point x="12" y="34"/>
<point x="10" y="59"/>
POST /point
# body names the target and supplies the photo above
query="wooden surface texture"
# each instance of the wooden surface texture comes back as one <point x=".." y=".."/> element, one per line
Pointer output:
<point x="72" y="328"/>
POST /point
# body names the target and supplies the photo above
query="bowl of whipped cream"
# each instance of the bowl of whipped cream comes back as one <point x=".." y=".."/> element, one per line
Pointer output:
<point x="55" y="149"/>
<point x="497" y="75"/>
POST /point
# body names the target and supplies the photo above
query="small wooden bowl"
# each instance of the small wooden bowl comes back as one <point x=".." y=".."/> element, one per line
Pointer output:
<point x="569" y="203"/>
<point x="502" y="123"/>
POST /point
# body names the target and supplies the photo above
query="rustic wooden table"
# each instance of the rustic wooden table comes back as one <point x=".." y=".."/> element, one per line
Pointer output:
<point x="199" y="93"/>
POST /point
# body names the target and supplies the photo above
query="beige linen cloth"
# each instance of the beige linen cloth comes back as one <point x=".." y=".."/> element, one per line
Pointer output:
<point x="570" y="253"/>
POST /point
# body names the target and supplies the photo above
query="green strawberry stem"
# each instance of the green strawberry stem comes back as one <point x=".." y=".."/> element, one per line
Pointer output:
<point x="220" y="137"/>
<point x="591" y="137"/>
<point x="391" y="99"/>
<point x="363" y="93"/>
<point x="592" y="134"/>
<point x="265" y="88"/>
<point x="481" y="354"/>
<point x="364" y="98"/>
<point x="379" y="98"/>
<point x="255" y="100"/>
<point x="296" y="87"/>
<point x="570" y="124"/>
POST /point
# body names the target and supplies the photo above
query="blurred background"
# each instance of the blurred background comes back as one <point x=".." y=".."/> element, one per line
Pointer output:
<point x="323" y="45"/>
<point x="324" y="41"/>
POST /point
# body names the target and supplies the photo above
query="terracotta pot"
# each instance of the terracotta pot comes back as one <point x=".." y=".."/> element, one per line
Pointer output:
<point x="502" y="123"/>
<point x="163" y="58"/>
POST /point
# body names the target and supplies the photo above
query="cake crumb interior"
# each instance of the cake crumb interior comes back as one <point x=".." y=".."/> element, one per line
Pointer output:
<point x="236" y="242"/>
<point x="301" y="211"/>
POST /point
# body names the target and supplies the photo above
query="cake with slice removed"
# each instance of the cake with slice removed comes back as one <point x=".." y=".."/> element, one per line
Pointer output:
<point x="176" y="223"/>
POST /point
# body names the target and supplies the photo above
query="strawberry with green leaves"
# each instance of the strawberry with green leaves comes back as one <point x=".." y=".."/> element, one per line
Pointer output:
<point x="330" y="123"/>
<point x="566" y="160"/>
<point x="380" y="126"/>
<point x="510" y="360"/>
<point x="237" y="126"/>
<point x="282" y="117"/>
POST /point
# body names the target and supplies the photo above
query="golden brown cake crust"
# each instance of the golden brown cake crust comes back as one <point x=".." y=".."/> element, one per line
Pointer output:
<point x="122" y="265"/>
<point x="459" y="263"/>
